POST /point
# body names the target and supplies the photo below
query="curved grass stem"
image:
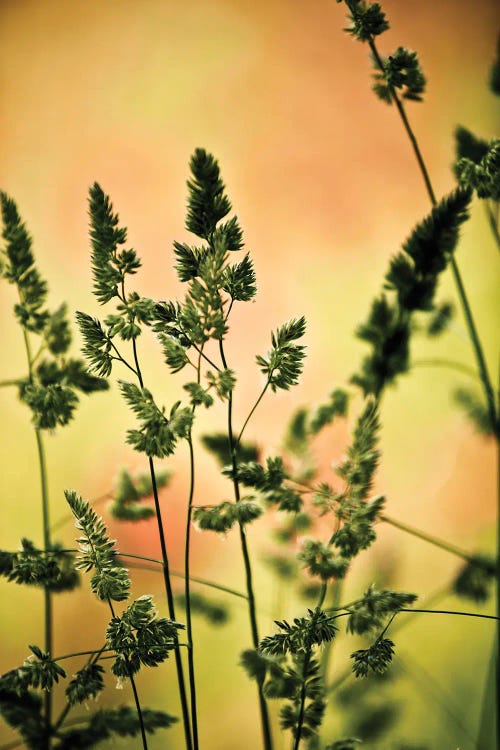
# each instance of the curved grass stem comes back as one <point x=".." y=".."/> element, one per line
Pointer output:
<point x="186" y="719"/>
<point x="435" y="541"/>
<point x="252" y="610"/>
<point x="47" y="596"/>
<point x="471" y="326"/>
<point x="187" y="594"/>
<point x="135" y="693"/>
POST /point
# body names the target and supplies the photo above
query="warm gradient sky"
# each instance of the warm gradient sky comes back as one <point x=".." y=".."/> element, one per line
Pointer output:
<point x="326" y="188"/>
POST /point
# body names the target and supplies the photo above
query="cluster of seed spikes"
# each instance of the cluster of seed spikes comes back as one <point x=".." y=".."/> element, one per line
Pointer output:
<point x="290" y="665"/>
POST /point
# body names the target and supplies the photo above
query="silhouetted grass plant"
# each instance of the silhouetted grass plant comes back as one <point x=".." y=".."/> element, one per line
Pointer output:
<point x="290" y="665"/>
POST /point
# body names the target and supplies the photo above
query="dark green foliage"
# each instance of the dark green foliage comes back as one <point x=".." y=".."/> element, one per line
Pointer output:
<point x="158" y="434"/>
<point x="207" y="201"/>
<point x="38" y="671"/>
<point x="284" y="362"/>
<point x="198" y="395"/>
<point x="240" y="280"/>
<point x="321" y="560"/>
<point x="357" y="532"/>
<point x="269" y="481"/>
<point x="475" y="579"/>
<point x="57" y="333"/>
<point x="138" y="637"/>
<point x="305" y="632"/>
<point x="51" y="405"/>
<point x="20" y="269"/>
<point x="109" y="580"/>
<point x="370" y="612"/>
<point x="71" y="373"/>
<point x="222" y="517"/>
<point x="495" y="72"/>
<point x="484" y="176"/>
<point x="253" y="474"/>
<point x="297" y="523"/>
<point x="223" y="382"/>
<point x="468" y="146"/>
<point x="202" y="315"/>
<point x="97" y="344"/>
<point x="400" y="71"/>
<point x="104" y="724"/>
<point x="283" y="567"/>
<point x="228" y="236"/>
<point x="297" y="434"/>
<point x="387" y="330"/>
<point x="188" y="260"/>
<point x="255" y="664"/>
<point x="368" y="20"/>
<point x="166" y="322"/>
<point x="49" y="389"/>
<point x="215" y="614"/>
<point x="218" y="445"/>
<point x="87" y="683"/>
<point x="174" y="351"/>
<point x="413" y="276"/>
<point x="440" y="319"/>
<point x="347" y="744"/>
<point x="24" y="713"/>
<point x="362" y="456"/>
<point x="373" y="721"/>
<point x="335" y="407"/>
<point x="53" y="569"/>
<point x="325" y="498"/>
<point x="475" y="410"/>
<point x="131" y="312"/>
<point x="374" y="659"/>
<point x="303" y="686"/>
<point x="108" y="265"/>
<point x="126" y="505"/>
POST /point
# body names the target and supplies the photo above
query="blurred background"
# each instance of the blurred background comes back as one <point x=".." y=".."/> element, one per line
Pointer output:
<point x="326" y="188"/>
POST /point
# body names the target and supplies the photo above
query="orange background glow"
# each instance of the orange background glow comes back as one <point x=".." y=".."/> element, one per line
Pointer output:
<point x="326" y="188"/>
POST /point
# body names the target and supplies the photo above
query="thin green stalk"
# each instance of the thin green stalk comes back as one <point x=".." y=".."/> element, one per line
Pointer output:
<point x="187" y="594"/>
<point x="492" y="220"/>
<point x="69" y="516"/>
<point x="435" y="541"/>
<point x="476" y="345"/>
<point x="6" y="383"/>
<point x="171" y="611"/>
<point x="187" y="582"/>
<point x="174" y="573"/>
<point x="252" y="410"/>
<point x="47" y="596"/>
<point x="64" y="656"/>
<point x="450" y="612"/>
<point x="67" y="708"/>
<point x="436" y="596"/>
<point x="436" y="362"/>
<point x="199" y="351"/>
<point x="134" y="690"/>
<point x="119" y="358"/>
<point x="473" y="334"/>
<point x="327" y="649"/>
<point x="303" y="689"/>
<point x="233" y="447"/>
<point x="186" y="719"/>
